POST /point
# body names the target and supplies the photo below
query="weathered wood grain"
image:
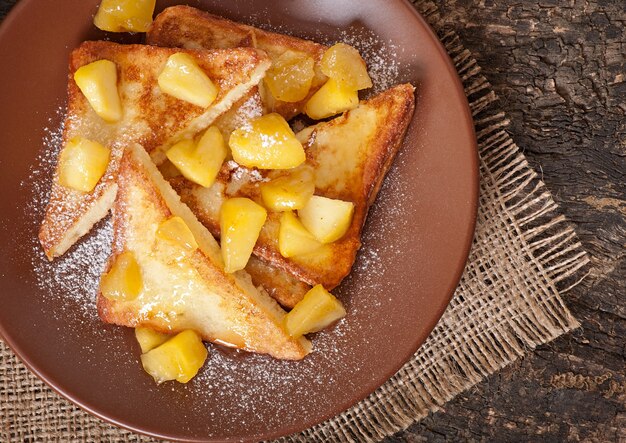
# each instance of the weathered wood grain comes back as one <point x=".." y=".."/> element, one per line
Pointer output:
<point x="559" y="67"/>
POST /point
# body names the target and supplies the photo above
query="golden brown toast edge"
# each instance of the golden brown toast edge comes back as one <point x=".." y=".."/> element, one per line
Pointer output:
<point x="258" y="318"/>
<point x="280" y="285"/>
<point x="187" y="27"/>
<point x="155" y="123"/>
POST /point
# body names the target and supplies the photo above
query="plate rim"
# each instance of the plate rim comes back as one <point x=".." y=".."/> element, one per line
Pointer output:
<point x="23" y="7"/>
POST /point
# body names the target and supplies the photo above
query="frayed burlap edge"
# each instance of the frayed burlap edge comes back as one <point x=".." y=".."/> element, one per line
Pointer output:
<point x="508" y="300"/>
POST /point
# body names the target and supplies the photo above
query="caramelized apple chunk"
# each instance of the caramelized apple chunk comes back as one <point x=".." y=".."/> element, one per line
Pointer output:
<point x="123" y="282"/>
<point x="176" y="231"/>
<point x="290" y="77"/>
<point x="267" y="143"/>
<point x="82" y="164"/>
<point x="184" y="79"/>
<point x="149" y="339"/>
<point x="98" y="83"/>
<point x="241" y="221"/>
<point x="332" y="98"/>
<point x="326" y="218"/>
<point x="200" y="162"/>
<point x="289" y="192"/>
<point x="293" y="237"/>
<point x="317" y="310"/>
<point x="124" y="15"/>
<point x="344" y="64"/>
<point x="179" y="358"/>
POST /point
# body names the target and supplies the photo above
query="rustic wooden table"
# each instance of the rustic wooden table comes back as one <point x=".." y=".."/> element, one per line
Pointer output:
<point x="559" y="68"/>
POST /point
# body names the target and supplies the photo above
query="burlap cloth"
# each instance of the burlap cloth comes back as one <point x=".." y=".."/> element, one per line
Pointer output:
<point x="508" y="302"/>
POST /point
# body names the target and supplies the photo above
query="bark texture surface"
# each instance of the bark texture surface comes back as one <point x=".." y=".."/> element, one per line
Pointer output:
<point x="559" y="67"/>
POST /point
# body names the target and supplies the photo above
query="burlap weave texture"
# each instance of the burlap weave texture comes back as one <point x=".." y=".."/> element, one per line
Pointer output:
<point x="507" y="302"/>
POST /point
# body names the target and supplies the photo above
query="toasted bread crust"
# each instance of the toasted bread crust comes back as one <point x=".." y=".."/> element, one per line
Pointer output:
<point x="151" y="117"/>
<point x="280" y="285"/>
<point x="351" y="155"/>
<point x="238" y="314"/>
<point x="187" y="27"/>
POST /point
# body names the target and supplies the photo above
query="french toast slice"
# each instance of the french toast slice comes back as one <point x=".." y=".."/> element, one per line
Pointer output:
<point x="187" y="27"/>
<point x="184" y="289"/>
<point x="150" y="117"/>
<point x="350" y="155"/>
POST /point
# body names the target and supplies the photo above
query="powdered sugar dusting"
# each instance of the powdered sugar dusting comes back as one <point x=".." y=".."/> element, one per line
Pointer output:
<point x="269" y="383"/>
<point x="381" y="57"/>
<point x="41" y="172"/>
<point x="75" y="275"/>
<point x="389" y="214"/>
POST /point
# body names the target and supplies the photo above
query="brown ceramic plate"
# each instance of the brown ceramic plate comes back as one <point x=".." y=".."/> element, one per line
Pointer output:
<point x="416" y="242"/>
